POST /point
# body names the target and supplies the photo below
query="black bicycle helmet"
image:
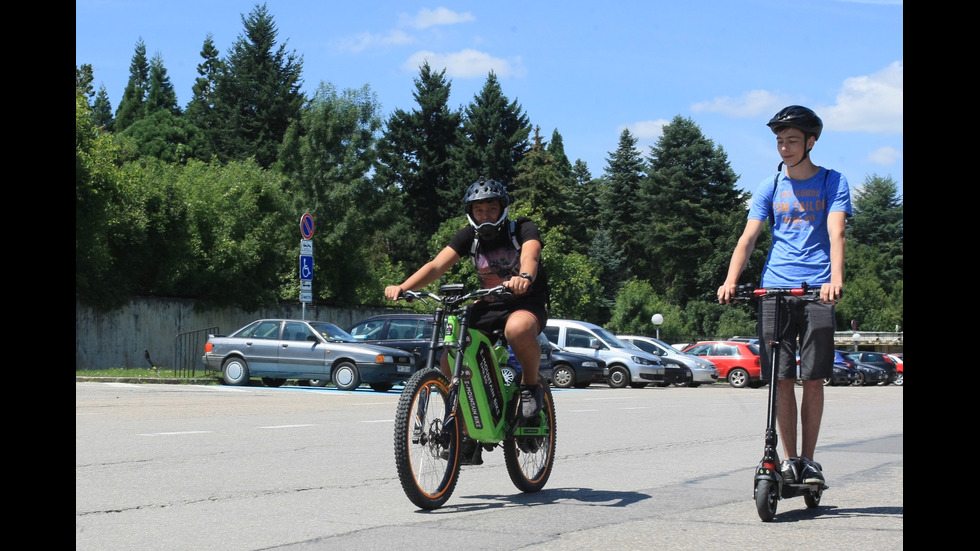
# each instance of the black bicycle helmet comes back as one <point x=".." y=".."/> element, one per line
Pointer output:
<point x="486" y="190"/>
<point x="797" y="116"/>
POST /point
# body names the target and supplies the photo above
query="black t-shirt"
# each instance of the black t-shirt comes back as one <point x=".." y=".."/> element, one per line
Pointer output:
<point x="498" y="260"/>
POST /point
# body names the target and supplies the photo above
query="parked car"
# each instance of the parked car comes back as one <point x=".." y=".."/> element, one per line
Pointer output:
<point x="899" y="368"/>
<point x="843" y="374"/>
<point x="413" y="333"/>
<point x="280" y="349"/>
<point x="737" y="362"/>
<point x="702" y="370"/>
<point x="569" y="369"/>
<point x="866" y="374"/>
<point x="879" y="359"/>
<point x="628" y="365"/>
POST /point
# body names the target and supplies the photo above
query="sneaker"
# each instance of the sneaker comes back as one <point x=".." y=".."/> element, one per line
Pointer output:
<point x="531" y="398"/>
<point x="790" y="470"/>
<point x="810" y="474"/>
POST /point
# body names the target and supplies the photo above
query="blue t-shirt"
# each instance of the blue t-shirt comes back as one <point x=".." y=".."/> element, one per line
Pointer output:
<point x="800" y="241"/>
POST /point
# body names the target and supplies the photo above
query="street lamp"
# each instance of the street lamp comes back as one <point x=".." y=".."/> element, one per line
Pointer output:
<point x="657" y="320"/>
<point x="857" y="338"/>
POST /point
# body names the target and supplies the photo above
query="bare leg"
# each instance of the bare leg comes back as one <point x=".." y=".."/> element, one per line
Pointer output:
<point x="811" y="413"/>
<point x="522" y="332"/>
<point x="786" y="415"/>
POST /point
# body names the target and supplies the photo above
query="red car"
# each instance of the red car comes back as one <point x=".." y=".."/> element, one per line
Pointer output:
<point x="899" y="367"/>
<point x="737" y="362"/>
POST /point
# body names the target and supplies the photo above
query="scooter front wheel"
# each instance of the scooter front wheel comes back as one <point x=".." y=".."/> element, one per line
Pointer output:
<point x="812" y="498"/>
<point x="766" y="498"/>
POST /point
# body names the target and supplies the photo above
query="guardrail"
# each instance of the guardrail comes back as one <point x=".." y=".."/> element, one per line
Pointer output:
<point x="188" y="350"/>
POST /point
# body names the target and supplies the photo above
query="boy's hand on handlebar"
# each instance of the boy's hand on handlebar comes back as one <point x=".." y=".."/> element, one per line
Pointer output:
<point x="831" y="292"/>
<point x="726" y="293"/>
<point x="517" y="285"/>
<point x="393" y="292"/>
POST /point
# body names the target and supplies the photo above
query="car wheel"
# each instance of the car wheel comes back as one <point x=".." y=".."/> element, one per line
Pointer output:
<point x="381" y="387"/>
<point x="859" y="380"/>
<point x="898" y="378"/>
<point x="829" y="381"/>
<point x="235" y="372"/>
<point x="563" y="377"/>
<point x="619" y="377"/>
<point x="345" y="376"/>
<point x="738" y="378"/>
<point x="319" y="382"/>
<point x="269" y="381"/>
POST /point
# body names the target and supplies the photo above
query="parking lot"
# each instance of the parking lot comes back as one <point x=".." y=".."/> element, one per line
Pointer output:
<point x="216" y="467"/>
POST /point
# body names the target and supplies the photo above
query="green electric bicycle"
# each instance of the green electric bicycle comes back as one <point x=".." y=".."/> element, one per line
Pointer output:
<point x="478" y="410"/>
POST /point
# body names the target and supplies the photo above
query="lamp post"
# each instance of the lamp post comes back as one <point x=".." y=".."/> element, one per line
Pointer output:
<point x="657" y="320"/>
<point x="857" y="338"/>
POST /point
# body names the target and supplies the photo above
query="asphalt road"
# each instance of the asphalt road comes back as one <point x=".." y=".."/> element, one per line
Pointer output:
<point x="173" y="467"/>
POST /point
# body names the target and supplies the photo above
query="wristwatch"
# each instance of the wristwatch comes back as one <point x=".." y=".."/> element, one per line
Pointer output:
<point x="527" y="276"/>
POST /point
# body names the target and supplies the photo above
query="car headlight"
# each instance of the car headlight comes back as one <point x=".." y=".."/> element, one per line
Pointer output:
<point x="590" y="364"/>
<point x="641" y="361"/>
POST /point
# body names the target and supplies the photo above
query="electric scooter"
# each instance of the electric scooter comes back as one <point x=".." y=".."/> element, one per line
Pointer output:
<point x="769" y="484"/>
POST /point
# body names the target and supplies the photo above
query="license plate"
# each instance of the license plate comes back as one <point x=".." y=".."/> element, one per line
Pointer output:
<point x="403" y="368"/>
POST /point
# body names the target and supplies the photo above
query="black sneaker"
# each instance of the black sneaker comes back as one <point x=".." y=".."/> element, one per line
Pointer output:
<point x="532" y="397"/>
<point x="790" y="470"/>
<point x="810" y="473"/>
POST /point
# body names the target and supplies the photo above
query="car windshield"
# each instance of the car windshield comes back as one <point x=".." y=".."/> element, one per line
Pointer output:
<point x="611" y="339"/>
<point x="331" y="332"/>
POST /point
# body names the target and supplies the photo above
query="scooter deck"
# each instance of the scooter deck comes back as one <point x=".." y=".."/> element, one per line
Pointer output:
<point x="794" y="490"/>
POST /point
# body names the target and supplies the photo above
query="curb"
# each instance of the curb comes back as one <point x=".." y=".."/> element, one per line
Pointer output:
<point x="148" y="380"/>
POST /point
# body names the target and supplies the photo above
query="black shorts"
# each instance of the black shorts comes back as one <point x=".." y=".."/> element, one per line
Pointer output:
<point x="808" y="327"/>
<point x="491" y="316"/>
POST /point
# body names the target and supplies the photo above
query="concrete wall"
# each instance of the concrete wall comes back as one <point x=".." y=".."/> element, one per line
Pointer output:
<point x="119" y="338"/>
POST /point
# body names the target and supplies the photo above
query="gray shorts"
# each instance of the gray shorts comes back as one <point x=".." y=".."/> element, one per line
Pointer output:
<point x="808" y="327"/>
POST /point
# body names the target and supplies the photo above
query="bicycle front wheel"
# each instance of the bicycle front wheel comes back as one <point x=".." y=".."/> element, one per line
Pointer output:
<point x="530" y="453"/>
<point x="426" y="452"/>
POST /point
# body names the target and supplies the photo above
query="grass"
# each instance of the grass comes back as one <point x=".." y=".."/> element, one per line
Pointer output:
<point x="139" y="373"/>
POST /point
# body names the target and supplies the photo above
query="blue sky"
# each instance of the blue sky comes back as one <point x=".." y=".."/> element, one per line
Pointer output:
<point x="585" y="68"/>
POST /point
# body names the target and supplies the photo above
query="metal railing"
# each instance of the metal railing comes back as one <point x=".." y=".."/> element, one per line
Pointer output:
<point x="188" y="350"/>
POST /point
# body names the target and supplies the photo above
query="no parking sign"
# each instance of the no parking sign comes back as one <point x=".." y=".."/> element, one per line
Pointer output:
<point x="306" y="228"/>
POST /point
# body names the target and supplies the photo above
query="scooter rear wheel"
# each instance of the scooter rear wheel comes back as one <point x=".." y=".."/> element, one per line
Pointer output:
<point x="812" y="498"/>
<point x="766" y="499"/>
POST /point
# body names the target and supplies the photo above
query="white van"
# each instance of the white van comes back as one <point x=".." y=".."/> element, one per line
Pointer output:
<point x="628" y="366"/>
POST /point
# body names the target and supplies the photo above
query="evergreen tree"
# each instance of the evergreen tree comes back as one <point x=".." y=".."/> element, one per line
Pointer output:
<point x="494" y="138"/>
<point x="131" y="106"/>
<point x="200" y="109"/>
<point x="257" y="94"/>
<point x="580" y="207"/>
<point x="102" y="111"/>
<point x="83" y="80"/>
<point x="879" y="221"/>
<point x="683" y="209"/>
<point x="538" y="184"/>
<point x="162" y="132"/>
<point x="160" y="92"/>
<point x="618" y="205"/>
<point x="414" y="164"/>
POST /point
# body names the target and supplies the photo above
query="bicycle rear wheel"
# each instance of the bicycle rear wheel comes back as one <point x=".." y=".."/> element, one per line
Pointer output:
<point x="528" y="456"/>
<point x="426" y="453"/>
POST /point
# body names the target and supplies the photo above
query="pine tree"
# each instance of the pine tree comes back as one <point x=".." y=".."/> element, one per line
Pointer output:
<point x="102" y="111"/>
<point x="257" y="94"/>
<point x="200" y="109"/>
<point x="414" y="163"/>
<point x="538" y="184"/>
<point x="131" y="107"/>
<point x="683" y="206"/>
<point x="618" y="209"/>
<point x="495" y="138"/>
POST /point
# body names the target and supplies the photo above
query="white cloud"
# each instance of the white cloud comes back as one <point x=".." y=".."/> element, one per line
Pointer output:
<point x="644" y="130"/>
<point x="466" y="64"/>
<point x="871" y="103"/>
<point x="363" y="41"/>
<point x="440" y="16"/>
<point x="886" y="156"/>
<point x="751" y="104"/>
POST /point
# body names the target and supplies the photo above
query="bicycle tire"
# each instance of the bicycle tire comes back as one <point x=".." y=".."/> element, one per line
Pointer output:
<point x="529" y="459"/>
<point x="426" y="457"/>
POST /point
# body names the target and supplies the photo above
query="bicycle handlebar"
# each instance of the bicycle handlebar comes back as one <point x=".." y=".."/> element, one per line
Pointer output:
<point x="499" y="291"/>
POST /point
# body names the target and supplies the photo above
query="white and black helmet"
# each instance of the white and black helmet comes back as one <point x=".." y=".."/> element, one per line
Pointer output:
<point x="486" y="190"/>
